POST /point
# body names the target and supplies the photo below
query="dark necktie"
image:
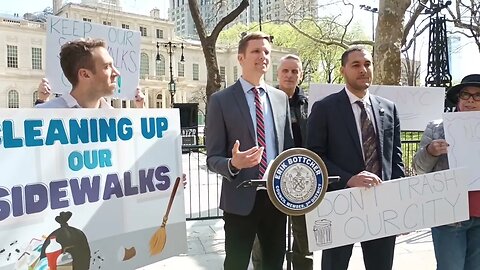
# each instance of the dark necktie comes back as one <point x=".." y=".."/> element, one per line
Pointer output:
<point x="260" y="132"/>
<point x="369" y="141"/>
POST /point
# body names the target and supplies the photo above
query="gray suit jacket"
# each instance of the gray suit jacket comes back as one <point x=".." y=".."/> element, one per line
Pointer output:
<point x="228" y="119"/>
<point x="332" y="134"/>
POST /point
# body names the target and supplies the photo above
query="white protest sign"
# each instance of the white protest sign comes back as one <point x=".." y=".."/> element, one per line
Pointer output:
<point x="416" y="105"/>
<point x="123" y="46"/>
<point x="462" y="132"/>
<point x="398" y="206"/>
<point x="111" y="173"/>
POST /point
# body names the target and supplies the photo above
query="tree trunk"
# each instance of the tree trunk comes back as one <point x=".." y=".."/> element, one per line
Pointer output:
<point x="214" y="82"/>
<point x="388" y="41"/>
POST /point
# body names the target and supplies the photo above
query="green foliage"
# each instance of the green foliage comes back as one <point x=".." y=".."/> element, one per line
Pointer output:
<point x="321" y="63"/>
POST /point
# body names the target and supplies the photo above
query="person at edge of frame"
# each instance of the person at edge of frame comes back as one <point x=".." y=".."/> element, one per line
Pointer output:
<point x="457" y="245"/>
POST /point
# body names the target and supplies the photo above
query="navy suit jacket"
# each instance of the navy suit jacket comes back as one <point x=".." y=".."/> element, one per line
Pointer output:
<point x="228" y="119"/>
<point x="332" y="134"/>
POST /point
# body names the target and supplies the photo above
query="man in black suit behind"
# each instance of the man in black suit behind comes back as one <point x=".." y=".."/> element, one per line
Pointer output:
<point x="357" y="135"/>
<point x="234" y="149"/>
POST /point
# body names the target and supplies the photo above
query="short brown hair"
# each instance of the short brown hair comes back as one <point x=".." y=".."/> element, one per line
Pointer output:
<point x="346" y="53"/>
<point x="77" y="54"/>
<point x="242" y="44"/>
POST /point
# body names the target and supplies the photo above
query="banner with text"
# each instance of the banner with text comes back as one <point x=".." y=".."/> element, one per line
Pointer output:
<point x="123" y="46"/>
<point x="89" y="189"/>
<point x="462" y="132"/>
<point x="398" y="206"/>
<point x="416" y="105"/>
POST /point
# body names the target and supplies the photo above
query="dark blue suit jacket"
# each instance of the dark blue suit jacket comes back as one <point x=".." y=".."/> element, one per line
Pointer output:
<point x="332" y="134"/>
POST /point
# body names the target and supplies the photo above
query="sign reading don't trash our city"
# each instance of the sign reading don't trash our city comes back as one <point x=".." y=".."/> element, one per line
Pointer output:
<point x="397" y="206"/>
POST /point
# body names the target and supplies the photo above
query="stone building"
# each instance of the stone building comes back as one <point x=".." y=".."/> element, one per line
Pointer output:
<point x="22" y="59"/>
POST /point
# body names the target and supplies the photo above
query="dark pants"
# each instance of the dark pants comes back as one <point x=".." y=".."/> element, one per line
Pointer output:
<point x="266" y="222"/>
<point x="377" y="255"/>
<point x="302" y="258"/>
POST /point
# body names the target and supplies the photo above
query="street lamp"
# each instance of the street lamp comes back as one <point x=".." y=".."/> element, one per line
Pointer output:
<point x="260" y="15"/>
<point x="373" y="11"/>
<point x="170" y="46"/>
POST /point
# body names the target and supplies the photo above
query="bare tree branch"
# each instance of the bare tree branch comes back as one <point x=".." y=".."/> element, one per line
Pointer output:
<point x="411" y="22"/>
<point x="229" y="18"/>
<point x="415" y="35"/>
<point x="467" y="17"/>
<point x="352" y="7"/>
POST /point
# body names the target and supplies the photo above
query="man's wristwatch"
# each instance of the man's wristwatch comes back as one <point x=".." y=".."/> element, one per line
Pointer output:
<point x="231" y="167"/>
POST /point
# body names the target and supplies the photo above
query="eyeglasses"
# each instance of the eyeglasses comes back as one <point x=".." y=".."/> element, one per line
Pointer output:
<point x="467" y="95"/>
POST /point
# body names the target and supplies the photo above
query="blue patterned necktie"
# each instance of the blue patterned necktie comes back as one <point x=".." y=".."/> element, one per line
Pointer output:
<point x="369" y="141"/>
<point x="260" y="132"/>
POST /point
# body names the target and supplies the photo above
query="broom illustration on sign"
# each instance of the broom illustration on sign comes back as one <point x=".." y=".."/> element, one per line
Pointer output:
<point x="157" y="242"/>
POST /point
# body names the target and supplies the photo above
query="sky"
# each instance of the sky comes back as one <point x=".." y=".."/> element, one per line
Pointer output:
<point x="134" y="6"/>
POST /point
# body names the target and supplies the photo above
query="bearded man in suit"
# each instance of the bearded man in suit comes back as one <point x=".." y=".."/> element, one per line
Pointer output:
<point x="357" y="134"/>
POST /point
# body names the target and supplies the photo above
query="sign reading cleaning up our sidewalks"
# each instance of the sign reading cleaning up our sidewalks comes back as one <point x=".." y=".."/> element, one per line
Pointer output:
<point x="89" y="189"/>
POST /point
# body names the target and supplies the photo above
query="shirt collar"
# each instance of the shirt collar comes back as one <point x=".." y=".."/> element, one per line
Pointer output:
<point x="246" y="86"/>
<point x="73" y="103"/>
<point x="353" y="98"/>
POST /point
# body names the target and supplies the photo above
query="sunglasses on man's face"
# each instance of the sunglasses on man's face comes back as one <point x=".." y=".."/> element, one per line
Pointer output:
<point x="467" y="95"/>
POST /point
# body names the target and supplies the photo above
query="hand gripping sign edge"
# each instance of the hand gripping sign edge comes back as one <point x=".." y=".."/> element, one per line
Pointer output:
<point x="297" y="181"/>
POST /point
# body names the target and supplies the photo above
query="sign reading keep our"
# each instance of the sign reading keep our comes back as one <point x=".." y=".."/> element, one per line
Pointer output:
<point x="123" y="46"/>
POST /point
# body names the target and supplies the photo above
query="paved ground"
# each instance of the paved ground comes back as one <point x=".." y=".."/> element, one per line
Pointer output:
<point x="206" y="238"/>
<point x="206" y="250"/>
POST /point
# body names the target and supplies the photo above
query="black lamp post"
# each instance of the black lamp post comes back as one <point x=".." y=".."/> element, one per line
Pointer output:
<point x="438" y="67"/>
<point x="373" y="11"/>
<point x="260" y="15"/>
<point x="170" y="46"/>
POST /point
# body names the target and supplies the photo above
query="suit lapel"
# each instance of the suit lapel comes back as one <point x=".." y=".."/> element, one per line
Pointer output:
<point x="242" y="104"/>
<point x="378" y="112"/>
<point x="345" y="108"/>
<point x="275" y="106"/>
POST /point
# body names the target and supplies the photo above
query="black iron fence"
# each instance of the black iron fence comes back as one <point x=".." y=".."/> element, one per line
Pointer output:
<point x="410" y="142"/>
<point x="202" y="194"/>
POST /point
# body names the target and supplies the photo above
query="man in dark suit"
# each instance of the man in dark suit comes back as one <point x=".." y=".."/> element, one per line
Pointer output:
<point x="248" y="125"/>
<point x="357" y="135"/>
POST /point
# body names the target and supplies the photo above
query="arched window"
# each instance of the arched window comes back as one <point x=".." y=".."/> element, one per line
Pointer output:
<point x="13" y="99"/>
<point x="159" y="101"/>
<point x="34" y="96"/>
<point x="144" y="65"/>
<point x="160" y="66"/>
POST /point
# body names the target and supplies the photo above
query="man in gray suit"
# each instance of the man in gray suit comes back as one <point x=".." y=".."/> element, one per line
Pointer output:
<point x="248" y="125"/>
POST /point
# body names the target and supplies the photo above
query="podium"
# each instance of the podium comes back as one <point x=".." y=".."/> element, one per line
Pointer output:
<point x="296" y="182"/>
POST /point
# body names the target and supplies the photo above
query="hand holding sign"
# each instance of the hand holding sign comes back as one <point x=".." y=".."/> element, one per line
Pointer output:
<point x="437" y="147"/>
<point x="139" y="98"/>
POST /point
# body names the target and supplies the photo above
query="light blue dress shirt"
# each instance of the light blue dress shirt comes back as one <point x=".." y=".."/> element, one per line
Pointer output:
<point x="267" y="116"/>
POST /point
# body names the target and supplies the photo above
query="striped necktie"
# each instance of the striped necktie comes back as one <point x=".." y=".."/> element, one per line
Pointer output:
<point x="369" y="141"/>
<point x="260" y="132"/>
